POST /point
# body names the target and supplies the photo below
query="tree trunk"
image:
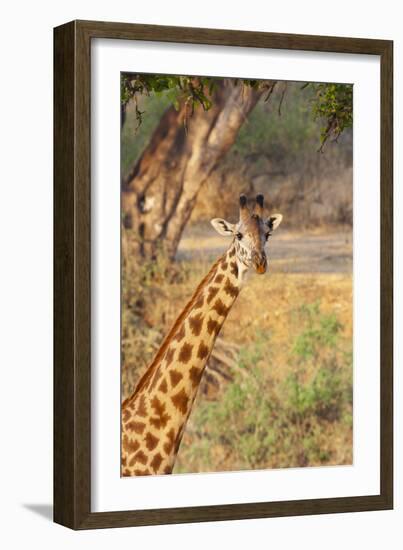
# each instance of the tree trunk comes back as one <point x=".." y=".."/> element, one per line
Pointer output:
<point x="160" y="192"/>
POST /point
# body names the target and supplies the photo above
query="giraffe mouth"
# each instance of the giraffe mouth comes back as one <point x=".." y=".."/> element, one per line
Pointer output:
<point x="259" y="261"/>
<point x="261" y="268"/>
<point x="260" y="265"/>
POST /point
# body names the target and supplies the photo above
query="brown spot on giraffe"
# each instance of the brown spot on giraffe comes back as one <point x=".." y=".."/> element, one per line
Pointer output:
<point x="203" y="350"/>
<point x="231" y="253"/>
<point x="133" y="460"/>
<point x="156" y="379"/>
<point x="231" y="289"/>
<point x="180" y="334"/>
<point x="126" y="473"/>
<point x="199" y="302"/>
<point x="137" y="427"/>
<point x="224" y="265"/>
<point x="219" y="278"/>
<point x="195" y="375"/>
<point x="129" y="445"/>
<point x="126" y="415"/>
<point x="124" y="460"/>
<point x="180" y="401"/>
<point x="161" y="417"/>
<point x="169" y="356"/>
<point x="168" y="445"/>
<point x="234" y="268"/>
<point x="138" y="457"/>
<point x="131" y="405"/>
<point x="141" y="409"/>
<point x="212" y="326"/>
<point x="175" y="377"/>
<point x="151" y="441"/>
<point x="145" y="472"/>
<point x="212" y="292"/>
<point x="156" y="462"/>
<point x="196" y="324"/>
<point x="163" y="387"/>
<point x="185" y="353"/>
<point x="221" y="308"/>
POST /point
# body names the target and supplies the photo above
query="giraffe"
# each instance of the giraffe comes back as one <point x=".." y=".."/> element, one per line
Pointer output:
<point x="154" y="417"/>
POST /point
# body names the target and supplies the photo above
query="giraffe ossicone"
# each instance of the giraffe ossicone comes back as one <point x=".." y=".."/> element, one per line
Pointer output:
<point x="155" y="416"/>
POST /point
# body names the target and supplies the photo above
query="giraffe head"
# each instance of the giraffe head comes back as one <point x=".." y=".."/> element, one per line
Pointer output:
<point x="251" y="233"/>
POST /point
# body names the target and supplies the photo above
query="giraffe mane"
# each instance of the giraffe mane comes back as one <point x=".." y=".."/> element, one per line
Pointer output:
<point x="158" y="357"/>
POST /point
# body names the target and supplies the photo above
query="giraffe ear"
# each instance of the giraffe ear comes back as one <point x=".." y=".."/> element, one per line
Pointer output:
<point x="223" y="227"/>
<point x="274" y="221"/>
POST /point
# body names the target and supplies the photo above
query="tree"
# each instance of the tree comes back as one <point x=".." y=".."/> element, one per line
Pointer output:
<point x="193" y="135"/>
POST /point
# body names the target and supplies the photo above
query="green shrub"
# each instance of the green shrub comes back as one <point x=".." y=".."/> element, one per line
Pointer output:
<point x="260" y="422"/>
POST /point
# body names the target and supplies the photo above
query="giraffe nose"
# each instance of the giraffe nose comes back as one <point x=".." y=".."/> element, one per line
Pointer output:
<point x="259" y="262"/>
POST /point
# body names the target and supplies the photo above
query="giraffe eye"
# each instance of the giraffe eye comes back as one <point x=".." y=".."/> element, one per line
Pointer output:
<point x="239" y="236"/>
<point x="268" y="235"/>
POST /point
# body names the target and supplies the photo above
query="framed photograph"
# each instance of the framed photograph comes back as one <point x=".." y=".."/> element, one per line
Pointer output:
<point x="222" y="275"/>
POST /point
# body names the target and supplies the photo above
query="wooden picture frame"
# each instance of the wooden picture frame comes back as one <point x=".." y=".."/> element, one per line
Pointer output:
<point x="72" y="272"/>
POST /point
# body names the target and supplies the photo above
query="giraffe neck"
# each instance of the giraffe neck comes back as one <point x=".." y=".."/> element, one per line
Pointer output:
<point x="154" y="417"/>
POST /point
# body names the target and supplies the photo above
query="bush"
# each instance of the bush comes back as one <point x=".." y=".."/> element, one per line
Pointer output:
<point x="261" y="421"/>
